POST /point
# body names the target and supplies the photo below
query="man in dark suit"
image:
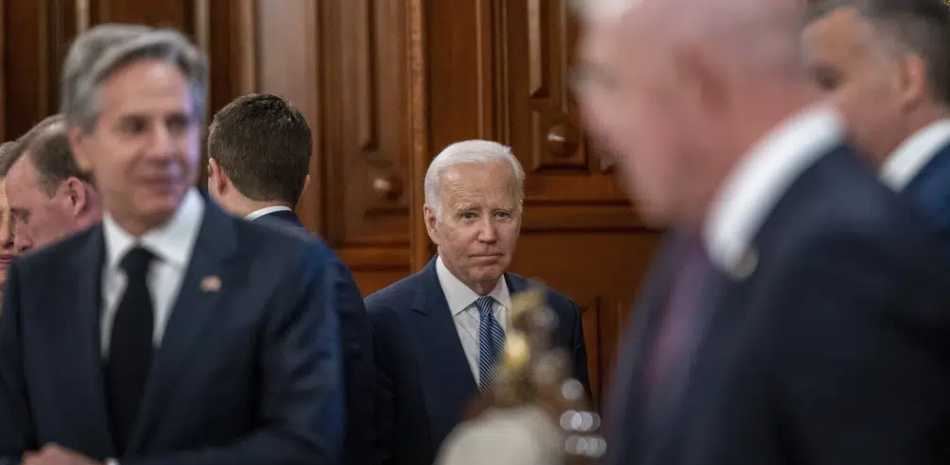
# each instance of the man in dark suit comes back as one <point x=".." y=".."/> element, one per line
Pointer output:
<point x="259" y="150"/>
<point x="887" y="64"/>
<point x="439" y="333"/>
<point x="172" y="332"/>
<point x="798" y="313"/>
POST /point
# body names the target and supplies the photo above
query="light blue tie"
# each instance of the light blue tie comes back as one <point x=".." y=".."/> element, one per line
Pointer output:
<point x="491" y="342"/>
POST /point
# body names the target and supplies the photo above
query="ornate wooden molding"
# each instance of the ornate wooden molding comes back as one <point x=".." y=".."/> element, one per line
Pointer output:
<point x="420" y="251"/>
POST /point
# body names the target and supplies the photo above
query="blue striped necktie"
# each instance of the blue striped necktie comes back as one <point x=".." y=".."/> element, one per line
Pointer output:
<point x="491" y="342"/>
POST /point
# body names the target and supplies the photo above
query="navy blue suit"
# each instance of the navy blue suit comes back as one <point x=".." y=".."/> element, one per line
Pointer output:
<point x="835" y="351"/>
<point x="359" y="375"/>
<point x="930" y="191"/>
<point x="248" y="374"/>
<point x="425" y="382"/>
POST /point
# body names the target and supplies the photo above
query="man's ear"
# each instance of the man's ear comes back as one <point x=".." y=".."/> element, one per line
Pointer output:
<point x="431" y="220"/>
<point x="699" y="78"/>
<point x="74" y="191"/>
<point x="912" y="82"/>
<point x="217" y="180"/>
<point x="79" y="143"/>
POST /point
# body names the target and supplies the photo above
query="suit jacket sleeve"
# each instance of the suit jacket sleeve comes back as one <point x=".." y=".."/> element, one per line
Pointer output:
<point x="384" y="412"/>
<point x="579" y="349"/>
<point x="359" y="372"/>
<point x="861" y="361"/>
<point x="301" y="401"/>
<point x="16" y="424"/>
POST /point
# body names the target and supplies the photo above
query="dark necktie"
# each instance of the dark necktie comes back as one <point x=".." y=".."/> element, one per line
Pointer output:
<point x="491" y="342"/>
<point x="680" y="324"/>
<point x="130" y="348"/>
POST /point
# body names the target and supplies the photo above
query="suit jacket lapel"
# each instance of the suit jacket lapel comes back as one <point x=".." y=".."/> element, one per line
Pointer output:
<point x="83" y="370"/>
<point x="194" y="310"/>
<point x="448" y="382"/>
<point x="628" y="388"/>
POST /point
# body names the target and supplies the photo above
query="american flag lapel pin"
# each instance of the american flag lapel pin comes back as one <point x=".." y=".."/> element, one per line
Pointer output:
<point x="211" y="284"/>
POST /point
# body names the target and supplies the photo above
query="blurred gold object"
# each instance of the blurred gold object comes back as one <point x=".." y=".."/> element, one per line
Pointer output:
<point x="534" y="373"/>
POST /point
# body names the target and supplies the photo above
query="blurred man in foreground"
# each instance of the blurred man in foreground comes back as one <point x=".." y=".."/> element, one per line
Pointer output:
<point x="886" y="64"/>
<point x="797" y="313"/>
<point x="173" y="332"/>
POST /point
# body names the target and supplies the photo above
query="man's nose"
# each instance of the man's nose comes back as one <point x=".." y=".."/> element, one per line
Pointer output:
<point x="162" y="142"/>
<point x="488" y="231"/>
<point x="21" y="242"/>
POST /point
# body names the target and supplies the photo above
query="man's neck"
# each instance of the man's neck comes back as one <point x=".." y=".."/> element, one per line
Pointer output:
<point x="244" y="207"/>
<point x="759" y="122"/>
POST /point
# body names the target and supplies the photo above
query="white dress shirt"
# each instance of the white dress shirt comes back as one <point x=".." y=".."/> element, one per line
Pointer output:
<point x="266" y="211"/>
<point x="461" y="300"/>
<point x="172" y="245"/>
<point x="762" y="177"/>
<point x="902" y="166"/>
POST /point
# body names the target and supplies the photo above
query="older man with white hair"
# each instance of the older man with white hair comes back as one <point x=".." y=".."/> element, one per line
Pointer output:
<point x="798" y="313"/>
<point x="439" y="334"/>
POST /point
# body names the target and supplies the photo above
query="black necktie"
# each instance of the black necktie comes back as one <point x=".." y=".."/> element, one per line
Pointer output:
<point x="130" y="348"/>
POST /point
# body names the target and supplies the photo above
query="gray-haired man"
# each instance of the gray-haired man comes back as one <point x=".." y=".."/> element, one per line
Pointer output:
<point x="173" y="333"/>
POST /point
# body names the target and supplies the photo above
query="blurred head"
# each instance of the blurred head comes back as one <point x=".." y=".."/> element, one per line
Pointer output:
<point x="474" y="192"/>
<point x="259" y="148"/>
<point x="885" y="63"/>
<point x="49" y="196"/>
<point x="6" y="222"/>
<point x="134" y="100"/>
<point x="677" y="90"/>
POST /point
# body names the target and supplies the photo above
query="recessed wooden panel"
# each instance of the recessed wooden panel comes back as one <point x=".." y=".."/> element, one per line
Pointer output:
<point x="601" y="272"/>
<point x="534" y="47"/>
<point x="365" y="55"/>
<point x="37" y="33"/>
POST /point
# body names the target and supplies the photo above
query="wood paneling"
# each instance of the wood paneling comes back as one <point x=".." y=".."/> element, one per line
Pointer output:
<point x="345" y="65"/>
<point x="36" y="36"/>
<point x="385" y="85"/>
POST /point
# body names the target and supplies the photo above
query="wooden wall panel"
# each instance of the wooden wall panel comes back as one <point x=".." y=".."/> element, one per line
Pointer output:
<point x="345" y="65"/>
<point x="36" y="35"/>
<point x="385" y="85"/>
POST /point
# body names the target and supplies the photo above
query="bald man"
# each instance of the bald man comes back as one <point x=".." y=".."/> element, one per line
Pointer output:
<point x="798" y="313"/>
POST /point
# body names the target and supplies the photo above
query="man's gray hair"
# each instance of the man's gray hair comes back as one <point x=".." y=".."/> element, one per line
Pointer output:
<point x="919" y="27"/>
<point x="470" y="151"/>
<point x="103" y="50"/>
<point x="599" y="10"/>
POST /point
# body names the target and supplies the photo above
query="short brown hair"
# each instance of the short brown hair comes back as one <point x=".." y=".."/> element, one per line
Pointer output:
<point x="922" y="27"/>
<point x="264" y="145"/>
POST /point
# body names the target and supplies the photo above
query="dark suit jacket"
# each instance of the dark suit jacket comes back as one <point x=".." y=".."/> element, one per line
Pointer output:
<point x="424" y="379"/>
<point x="359" y="375"/>
<point x="930" y="190"/>
<point x="250" y="374"/>
<point x="835" y="351"/>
